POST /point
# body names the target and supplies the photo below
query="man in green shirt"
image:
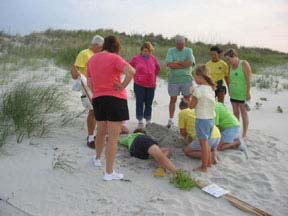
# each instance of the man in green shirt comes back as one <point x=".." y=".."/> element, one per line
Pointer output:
<point x="179" y="60"/>
<point x="141" y="146"/>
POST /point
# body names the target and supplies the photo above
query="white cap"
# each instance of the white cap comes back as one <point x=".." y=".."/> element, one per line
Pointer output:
<point x="97" y="39"/>
<point x="179" y="39"/>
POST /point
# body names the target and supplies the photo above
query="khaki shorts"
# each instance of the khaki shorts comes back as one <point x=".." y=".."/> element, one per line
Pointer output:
<point x="174" y="89"/>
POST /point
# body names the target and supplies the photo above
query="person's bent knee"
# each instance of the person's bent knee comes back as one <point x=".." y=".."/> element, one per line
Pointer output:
<point x="187" y="150"/>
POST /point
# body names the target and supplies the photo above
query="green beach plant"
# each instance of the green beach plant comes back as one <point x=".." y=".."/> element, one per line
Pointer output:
<point x="183" y="180"/>
<point x="27" y="107"/>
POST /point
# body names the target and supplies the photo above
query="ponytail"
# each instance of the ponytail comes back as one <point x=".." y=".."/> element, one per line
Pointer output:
<point x="202" y="70"/>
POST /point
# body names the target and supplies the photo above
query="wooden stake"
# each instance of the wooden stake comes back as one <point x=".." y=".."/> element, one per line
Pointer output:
<point x="238" y="203"/>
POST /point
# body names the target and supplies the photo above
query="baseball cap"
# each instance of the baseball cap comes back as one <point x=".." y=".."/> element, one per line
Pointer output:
<point x="97" y="39"/>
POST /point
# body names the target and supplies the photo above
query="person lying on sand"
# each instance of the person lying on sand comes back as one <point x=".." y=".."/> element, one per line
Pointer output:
<point x="142" y="146"/>
<point x="186" y="125"/>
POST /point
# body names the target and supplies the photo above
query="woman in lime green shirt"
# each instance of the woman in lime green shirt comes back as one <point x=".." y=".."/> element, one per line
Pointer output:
<point x="239" y="86"/>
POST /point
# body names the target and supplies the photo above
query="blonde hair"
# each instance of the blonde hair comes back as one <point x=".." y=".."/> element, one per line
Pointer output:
<point x="203" y="71"/>
<point x="148" y="45"/>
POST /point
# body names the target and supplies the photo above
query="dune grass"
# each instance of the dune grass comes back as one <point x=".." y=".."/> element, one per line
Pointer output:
<point x="63" y="46"/>
<point x="25" y="110"/>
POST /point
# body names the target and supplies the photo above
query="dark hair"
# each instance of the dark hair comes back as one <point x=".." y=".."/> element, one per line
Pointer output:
<point x="148" y="46"/>
<point x="139" y="130"/>
<point x="216" y="49"/>
<point x="183" y="104"/>
<point x="111" y="44"/>
<point x="203" y="70"/>
<point x="231" y="53"/>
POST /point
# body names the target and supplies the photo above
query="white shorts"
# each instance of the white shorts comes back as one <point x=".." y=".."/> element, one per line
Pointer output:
<point x="86" y="103"/>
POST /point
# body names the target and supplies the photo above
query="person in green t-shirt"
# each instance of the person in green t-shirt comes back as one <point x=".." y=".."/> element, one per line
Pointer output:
<point x="239" y="86"/>
<point x="229" y="127"/>
<point x="142" y="146"/>
<point x="179" y="60"/>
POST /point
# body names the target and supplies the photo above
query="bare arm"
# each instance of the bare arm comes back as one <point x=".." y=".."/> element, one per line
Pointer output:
<point x="193" y="102"/>
<point x="227" y="80"/>
<point x="179" y="65"/>
<point x="247" y="73"/>
<point x="74" y="72"/>
<point x="183" y="132"/>
<point x="129" y="72"/>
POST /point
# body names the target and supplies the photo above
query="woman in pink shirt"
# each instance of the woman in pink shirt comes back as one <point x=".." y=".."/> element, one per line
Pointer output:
<point x="147" y="69"/>
<point x="109" y="100"/>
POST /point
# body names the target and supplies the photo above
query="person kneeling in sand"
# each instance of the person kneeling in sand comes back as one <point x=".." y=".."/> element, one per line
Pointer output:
<point x="141" y="146"/>
<point x="186" y="125"/>
<point x="229" y="127"/>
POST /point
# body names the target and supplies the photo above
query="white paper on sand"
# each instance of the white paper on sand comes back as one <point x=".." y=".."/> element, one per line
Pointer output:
<point x="214" y="190"/>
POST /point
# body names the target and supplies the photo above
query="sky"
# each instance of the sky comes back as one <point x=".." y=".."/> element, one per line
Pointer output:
<point x="257" y="23"/>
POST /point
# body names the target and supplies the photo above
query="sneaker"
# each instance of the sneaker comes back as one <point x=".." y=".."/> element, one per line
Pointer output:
<point x="113" y="176"/>
<point x="96" y="162"/>
<point x="148" y="123"/>
<point x="91" y="144"/>
<point x="169" y="124"/>
<point x="140" y="125"/>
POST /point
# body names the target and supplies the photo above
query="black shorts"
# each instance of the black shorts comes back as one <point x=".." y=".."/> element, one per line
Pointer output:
<point x="109" y="108"/>
<point x="140" y="146"/>
<point x="220" y="87"/>
<point x="237" y="101"/>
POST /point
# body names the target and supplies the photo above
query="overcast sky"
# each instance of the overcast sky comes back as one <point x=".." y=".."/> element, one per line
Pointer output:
<point x="262" y="23"/>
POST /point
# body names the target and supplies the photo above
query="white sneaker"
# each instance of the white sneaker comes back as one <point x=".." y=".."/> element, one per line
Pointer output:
<point x="113" y="176"/>
<point x="96" y="162"/>
<point x="169" y="124"/>
<point x="140" y="125"/>
<point x="148" y="123"/>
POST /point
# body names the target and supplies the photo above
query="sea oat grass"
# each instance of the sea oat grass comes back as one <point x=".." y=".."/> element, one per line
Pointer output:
<point x="26" y="107"/>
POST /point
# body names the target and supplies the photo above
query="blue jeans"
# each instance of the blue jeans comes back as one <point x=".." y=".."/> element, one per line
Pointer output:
<point x="144" y="100"/>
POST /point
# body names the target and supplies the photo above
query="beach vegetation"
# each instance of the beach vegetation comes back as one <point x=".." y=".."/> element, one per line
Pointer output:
<point x="62" y="46"/>
<point x="279" y="109"/>
<point x="183" y="180"/>
<point x="26" y="110"/>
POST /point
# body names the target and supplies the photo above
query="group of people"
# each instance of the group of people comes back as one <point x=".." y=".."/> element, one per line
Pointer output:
<point x="204" y="132"/>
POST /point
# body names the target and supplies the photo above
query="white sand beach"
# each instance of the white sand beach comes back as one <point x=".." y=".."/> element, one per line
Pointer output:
<point x="54" y="175"/>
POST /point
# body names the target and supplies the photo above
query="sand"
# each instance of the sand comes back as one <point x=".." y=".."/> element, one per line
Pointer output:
<point x="53" y="175"/>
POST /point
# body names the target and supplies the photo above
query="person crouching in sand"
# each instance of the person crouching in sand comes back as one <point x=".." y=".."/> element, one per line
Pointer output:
<point x="142" y="146"/>
<point x="186" y="125"/>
